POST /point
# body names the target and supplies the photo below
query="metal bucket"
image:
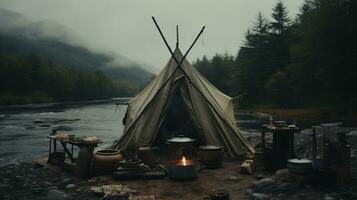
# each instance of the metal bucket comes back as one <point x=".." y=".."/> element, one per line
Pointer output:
<point x="177" y="171"/>
<point x="299" y="166"/>
<point x="211" y="156"/>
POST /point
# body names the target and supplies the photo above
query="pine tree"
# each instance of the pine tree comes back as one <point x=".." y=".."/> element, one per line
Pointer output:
<point x="280" y="17"/>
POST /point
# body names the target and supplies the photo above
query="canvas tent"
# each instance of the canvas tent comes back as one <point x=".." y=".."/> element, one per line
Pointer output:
<point x="180" y="85"/>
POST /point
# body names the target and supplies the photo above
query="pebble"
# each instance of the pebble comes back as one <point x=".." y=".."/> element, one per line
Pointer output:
<point x="66" y="180"/>
<point x="235" y="178"/>
<point x="46" y="184"/>
<point x="327" y="197"/>
<point x="56" y="195"/>
<point x="36" y="190"/>
<point x="286" y="186"/>
<point x="301" y="196"/>
<point x="70" y="186"/>
<point x="52" y="188"/>
<point x="259" y="196"/>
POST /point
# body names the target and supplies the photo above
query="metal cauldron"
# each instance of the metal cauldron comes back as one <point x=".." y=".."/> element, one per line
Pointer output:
<point x="176" y="170"/>
<point x="299" y="166"/>
<point x="211" y="156"/>
<point x="178" y="145"/>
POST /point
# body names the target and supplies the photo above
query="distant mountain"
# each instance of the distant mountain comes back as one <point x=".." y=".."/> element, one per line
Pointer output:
<point x="56" y="43"/>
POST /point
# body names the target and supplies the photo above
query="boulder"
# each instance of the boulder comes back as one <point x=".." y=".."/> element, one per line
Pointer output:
<point x="284" y="175"/>
<point x="56" y="195"/>
<point x="265" y="184"/>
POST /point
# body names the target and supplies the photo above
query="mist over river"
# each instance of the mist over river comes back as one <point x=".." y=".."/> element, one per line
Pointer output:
<point x="23" y="129"/>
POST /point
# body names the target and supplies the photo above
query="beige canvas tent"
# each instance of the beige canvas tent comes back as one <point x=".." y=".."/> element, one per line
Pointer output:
<point x="210" y="111"/>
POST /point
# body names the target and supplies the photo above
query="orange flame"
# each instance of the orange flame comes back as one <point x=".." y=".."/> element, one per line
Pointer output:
<point x="183" y="161"/>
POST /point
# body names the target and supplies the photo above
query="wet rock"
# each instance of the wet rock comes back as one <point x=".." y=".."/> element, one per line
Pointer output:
<point x="18" y="177"/>
<point x="93" y="180"/>
<point x="259" y="196"/>
<point x="286" y="187"/>
<point x="282" y="172"/>
<point x="260" y="176"/>
<point x="66" y="180"/>
<point x="284" y="175"/>
<point x="6" y="180"/>
<point x="234" y="178"/>
<point x="4" y="186"/>
<point x="145" y="197"/>
<point x="37" y="190"/>
<point x="56" y="195"/>
<point x="46" y="184"/>
<point x="103" y="180"/>
<point x="52" y="188"/>
<point x="248" y="191"/>
<point x="328" y="197"/>
<point x="265" y="184"/>
<point x="301" y="196"/>
<point x="116" y="196"/>
<point x="70" y="186"/>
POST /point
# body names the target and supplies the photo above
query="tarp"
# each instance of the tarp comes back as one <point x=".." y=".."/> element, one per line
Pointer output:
<point x="211" y="111"/>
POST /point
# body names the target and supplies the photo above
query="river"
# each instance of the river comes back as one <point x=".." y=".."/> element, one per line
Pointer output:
<point x="23" y="129"/>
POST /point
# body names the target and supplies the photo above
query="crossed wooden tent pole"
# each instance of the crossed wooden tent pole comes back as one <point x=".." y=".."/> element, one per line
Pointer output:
<point x="177" y="41"/>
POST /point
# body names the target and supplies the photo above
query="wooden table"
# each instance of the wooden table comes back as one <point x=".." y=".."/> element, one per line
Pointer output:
<point x="79" y="143"/>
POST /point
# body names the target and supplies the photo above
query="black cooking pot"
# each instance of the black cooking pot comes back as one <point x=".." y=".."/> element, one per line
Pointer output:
<point x="179" y="145"/>
<point x="211" y="156"/>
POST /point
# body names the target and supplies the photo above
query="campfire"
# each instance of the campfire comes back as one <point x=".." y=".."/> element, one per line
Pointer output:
<point x="183" y="169"/>
<point x="184" y="162"/>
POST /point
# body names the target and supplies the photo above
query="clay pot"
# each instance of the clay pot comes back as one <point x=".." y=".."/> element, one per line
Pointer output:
<point x="83" y="162"/>
<point x="106" y="161"/>
<point x="211" y="156"/>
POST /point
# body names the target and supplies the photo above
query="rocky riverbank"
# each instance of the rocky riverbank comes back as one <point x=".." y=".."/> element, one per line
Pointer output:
<point x="30" y="181"/>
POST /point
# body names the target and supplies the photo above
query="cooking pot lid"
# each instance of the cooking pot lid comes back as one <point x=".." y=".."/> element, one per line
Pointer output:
<point x="210" y="147"/>
<point x="300" y="161"/>
<point x="181" y="139"/>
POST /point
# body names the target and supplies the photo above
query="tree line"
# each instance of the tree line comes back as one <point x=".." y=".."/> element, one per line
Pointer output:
<point x="310" y="60"/>
<point x="32" y="78"/>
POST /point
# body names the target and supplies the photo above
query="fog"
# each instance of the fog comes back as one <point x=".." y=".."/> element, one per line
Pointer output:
<point x="125" y="27"/>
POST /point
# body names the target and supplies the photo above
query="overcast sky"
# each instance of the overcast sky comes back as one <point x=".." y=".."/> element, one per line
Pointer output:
<point x="125" y="26"/>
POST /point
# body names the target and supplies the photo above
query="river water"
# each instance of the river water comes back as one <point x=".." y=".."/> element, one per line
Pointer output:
<point x="23" y="129"/>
